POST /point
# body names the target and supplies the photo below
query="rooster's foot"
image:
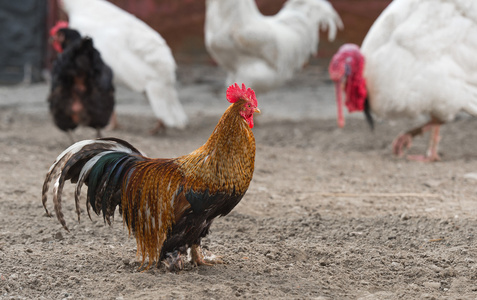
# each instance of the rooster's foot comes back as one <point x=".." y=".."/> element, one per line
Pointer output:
<point x="401" y="142"/>
<point x="199" y="258"/>
<point x="173" y="261"/>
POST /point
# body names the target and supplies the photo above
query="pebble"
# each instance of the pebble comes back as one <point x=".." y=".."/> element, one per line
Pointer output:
<point x="432" y="285"/>
<point x="270" y="256"/>
<point x="47" y="239"/>
<point x="449" y="272"/>
<point x="432" y="183"/>
<point x="471" y="176"/>
<point x="435" y="268"/>
<point x="59" y="236"/>
<point x="395" y="265"/>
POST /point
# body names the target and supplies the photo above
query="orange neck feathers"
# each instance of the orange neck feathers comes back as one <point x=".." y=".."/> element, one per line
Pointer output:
<point x="227" y="159"/>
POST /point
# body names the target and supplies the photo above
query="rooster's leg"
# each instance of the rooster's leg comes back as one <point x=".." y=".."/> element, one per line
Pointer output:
<point x="173" y="261"/>
<point x="404" y="141"/>
<point x="198" y="257"/>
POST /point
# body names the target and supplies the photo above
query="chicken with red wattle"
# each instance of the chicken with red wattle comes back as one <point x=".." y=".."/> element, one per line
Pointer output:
<point x="82" y="91"/>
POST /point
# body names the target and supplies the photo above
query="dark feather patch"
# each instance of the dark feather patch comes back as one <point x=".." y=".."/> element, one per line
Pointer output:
<point x="98" y="181"/>
<point x="367" y="114"/>
<point x="194" y="224"/>
<point x="200" y="200"/>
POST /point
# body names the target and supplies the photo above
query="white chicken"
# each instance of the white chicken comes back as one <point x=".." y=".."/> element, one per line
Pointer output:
<point x="265" y="51"/>
<point x="418" y="58"/>
<point x="138" y="55"/>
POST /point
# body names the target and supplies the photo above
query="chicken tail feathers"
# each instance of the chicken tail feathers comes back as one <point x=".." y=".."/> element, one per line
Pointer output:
<point x="321" y="16"/>
<point x="101" y="189"/>
<point x="93" y="162"/>
<point x="165" y="104"/>
<point x="329" y="20"/>
<point x="117" y="174"/>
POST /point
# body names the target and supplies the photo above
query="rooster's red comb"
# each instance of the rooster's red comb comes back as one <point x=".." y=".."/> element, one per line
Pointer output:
<point x="235" y="93"/>
<point x="58" y="26"/>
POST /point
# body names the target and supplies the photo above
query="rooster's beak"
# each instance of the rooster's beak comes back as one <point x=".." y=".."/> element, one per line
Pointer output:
<point x="256" y="110"/>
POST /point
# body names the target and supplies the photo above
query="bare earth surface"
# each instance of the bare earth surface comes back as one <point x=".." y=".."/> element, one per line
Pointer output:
<point x="330" y="213"/>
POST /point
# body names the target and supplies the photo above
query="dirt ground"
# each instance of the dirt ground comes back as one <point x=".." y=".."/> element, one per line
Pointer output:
<point x="330" y="213"/>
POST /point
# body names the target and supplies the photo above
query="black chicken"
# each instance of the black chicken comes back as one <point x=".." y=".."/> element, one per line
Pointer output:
<point x="82" y="92"/>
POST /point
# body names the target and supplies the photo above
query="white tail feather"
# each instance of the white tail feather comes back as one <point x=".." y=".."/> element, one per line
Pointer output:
<point x="165" y="104"/>
<point x="76" y="147"/>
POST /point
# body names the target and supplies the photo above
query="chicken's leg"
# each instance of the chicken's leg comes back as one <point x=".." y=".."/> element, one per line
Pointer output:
<point x="113" y="122"/>
<point x="405" y="141"/>
<point x="431" y="154"/>
<point x="198" y="258"/>
<point x="160" y="127"/>
<point x="70" y="136"/>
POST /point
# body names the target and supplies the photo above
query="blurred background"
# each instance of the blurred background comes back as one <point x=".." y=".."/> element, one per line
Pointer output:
<point x="25" y="54"/>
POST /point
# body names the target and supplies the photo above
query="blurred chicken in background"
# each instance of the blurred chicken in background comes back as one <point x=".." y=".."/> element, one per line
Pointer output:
<point x="81" y="92"/>
<point x="137" y="54"/>
<point x="265" y="51"/>
<point x="418" y="58"/>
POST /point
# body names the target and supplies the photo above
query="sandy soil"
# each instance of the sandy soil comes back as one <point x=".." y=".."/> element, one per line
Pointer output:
<point x="330" y="213"/>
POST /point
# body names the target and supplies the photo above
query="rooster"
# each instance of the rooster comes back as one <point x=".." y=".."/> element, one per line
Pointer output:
<point x="138" y="55"/>
<point x="81" y="92"/>
<point x="265" y="51"/>
<point x="168" y="204"/>
<point x="418" y="58"/>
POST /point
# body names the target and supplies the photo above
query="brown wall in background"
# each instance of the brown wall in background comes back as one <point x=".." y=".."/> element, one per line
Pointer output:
<point x="181" y="22"/>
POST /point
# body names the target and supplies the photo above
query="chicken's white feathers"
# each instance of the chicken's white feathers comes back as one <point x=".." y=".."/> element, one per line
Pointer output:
<point x="139" y="56"/>
<point x="420" y="59"/>
<point x="265" y="51"/>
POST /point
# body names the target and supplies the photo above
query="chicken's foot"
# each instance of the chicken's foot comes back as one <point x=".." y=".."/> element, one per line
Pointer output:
<point x="431" y="154"/>
<point x="404" y="142"/>
<point x="198" y="257"/>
